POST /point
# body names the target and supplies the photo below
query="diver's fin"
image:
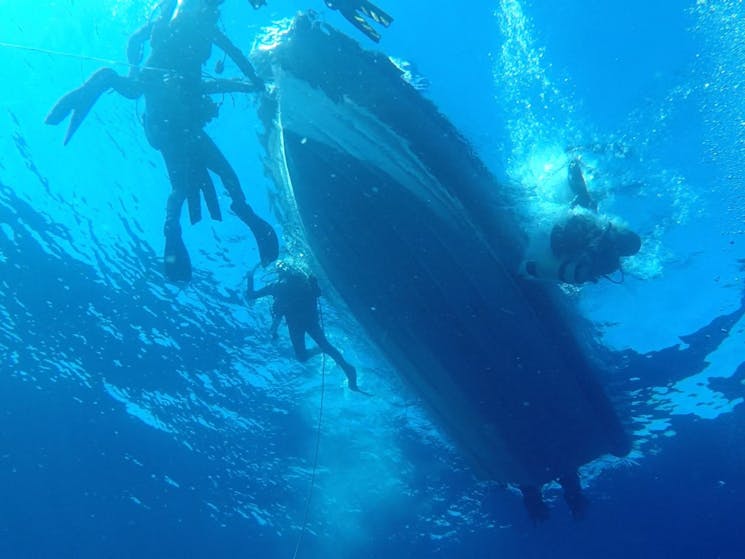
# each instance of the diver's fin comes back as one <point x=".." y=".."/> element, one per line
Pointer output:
<point x="356" y="19"/>
<point x="80" y="101"/>
<point x="210" y="198"/>
<point x="176" y="261"/>
<point x="194" y="203"/>
<point x="266" y="240"/>
<point x="266" y="237"/>
<point x="376" y="14"/>
<point x="61" y="109"/>
<point x="200" y="182"/>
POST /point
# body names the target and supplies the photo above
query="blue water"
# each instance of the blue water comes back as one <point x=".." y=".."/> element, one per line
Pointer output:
<point x="142" y="420"/>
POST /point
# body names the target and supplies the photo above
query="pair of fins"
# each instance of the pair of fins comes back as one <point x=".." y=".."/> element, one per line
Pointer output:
<point x="355" y="12"/>
<point x="80" y="101"/>
<point x="176" y="261"/>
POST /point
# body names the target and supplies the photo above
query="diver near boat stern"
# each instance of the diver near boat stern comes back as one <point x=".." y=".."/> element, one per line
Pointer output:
<point x="296" y="296"/>
<point x="177" y="107"/>
<point x="583" y="248"/>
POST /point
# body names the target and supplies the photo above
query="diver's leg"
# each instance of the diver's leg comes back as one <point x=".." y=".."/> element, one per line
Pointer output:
<point x="274" y="329"/>
<point x="80" y="101"/>
<point x="188" y="173"/>
<point x="534" y="503"/>
<point x="176" y="261"/>
<point x="573" y="495"/>
<point x="177" y="264"/>
<point x="297" y="337"/>
<point x="266" y="238"/>
<point x="127" y="86"/>
<point x="316" y="333"/>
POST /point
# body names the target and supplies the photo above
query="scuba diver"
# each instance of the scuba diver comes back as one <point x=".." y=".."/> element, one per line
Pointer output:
<point x="583" y="248"/>
<point x="354" y="11"/>
<point x="296" y="296"/>
<point x="177" y="107"/>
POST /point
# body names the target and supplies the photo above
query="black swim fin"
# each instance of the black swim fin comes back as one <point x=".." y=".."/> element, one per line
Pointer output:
<point x="201" y="185"/>
<point x="266" y="240"/>
<point x="176" y="261"/>
<point x="356" y="19"/>
<point x="210" y="197"/>
<point x="266" y="237"/>
<point x="355" y="13"/>
<point x="376" y="14"/>
<point x="80" y="101"/>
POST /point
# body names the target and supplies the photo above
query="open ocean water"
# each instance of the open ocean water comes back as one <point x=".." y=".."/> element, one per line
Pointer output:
<point x="142" y="419"/>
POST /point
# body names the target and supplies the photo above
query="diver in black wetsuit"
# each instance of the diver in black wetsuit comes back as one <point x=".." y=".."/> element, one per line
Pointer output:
<point x="296" y="296"/>
<point x="587" y="249"/>
<point x="177" y="108"/>
<point x="354" y="11"/>
<point x="583" y="248"/>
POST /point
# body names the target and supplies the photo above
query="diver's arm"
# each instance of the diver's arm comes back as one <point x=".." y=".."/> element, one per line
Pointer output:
<point x="276" y="321"/>
<point x="235" y="54"/>
<point x="544" y="266"/>
<point x="315" y="289"/>
<point x="263" y="292"/>
<point x="211" y="87"/>
<point x="136" y="44"/>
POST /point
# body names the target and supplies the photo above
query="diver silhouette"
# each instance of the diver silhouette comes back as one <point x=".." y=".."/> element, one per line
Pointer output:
<point x="583" y="247"/>
<point x="296" y="296"/>
<point x="177" y="107"/>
